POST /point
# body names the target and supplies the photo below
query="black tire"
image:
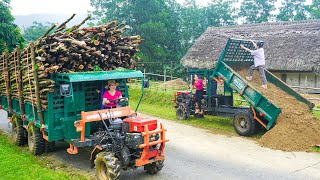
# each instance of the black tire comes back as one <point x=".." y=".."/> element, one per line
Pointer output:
<point x="204" y="104"/>
<point x="35" y="140"/>
<point x="181" y="113"/>
<point x="107" y="166"/>
<point x="196" y="115"/>
<point x="244" y="124"/>
<point x="18" y="132"/>
<point x="154" y="168"/>
<point x="49" y="146"/>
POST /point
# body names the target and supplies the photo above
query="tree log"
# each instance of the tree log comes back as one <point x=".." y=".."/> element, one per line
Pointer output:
<point x="63" y="25"/>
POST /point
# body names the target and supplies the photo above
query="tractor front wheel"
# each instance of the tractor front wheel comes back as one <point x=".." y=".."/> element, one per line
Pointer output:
<point x="107" y="166"/>
<point x="35" y="140"/>
<point x="243" y="123"/>
<point x="154" y="168"/>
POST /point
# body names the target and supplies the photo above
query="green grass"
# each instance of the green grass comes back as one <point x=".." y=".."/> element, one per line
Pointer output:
<point x="317" y="113"/>
<point x="18" y="163"/>
<point x="316" y="149"/>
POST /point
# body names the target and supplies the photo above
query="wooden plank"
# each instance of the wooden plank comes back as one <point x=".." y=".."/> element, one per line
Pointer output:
<point x="19" y="83"/>
<point x="36" y="81"/>
<point x="7" y="80"/>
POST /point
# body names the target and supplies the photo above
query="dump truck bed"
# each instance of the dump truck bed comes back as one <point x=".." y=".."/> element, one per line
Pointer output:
<point x="232" y="58"/>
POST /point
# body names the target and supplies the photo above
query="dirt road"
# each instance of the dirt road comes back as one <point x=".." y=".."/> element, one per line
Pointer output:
<point x="194" y="153"/>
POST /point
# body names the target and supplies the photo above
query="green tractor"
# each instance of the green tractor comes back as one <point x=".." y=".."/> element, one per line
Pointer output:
<point x="119" y="139"/>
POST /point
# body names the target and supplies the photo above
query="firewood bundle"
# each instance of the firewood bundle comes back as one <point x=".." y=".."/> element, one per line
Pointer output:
<point x="26" y="75"/>
<point x="88" y="49"/>
<point x="36" y="82"/>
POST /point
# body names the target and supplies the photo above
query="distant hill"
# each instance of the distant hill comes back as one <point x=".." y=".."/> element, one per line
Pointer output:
<point x="25" y="21"/>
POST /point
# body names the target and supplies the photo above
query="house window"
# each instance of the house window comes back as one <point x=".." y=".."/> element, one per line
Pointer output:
<point x="284" y="77"/>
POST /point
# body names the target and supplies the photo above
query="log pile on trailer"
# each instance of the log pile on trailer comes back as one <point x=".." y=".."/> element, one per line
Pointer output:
<point x="25" y="73"/>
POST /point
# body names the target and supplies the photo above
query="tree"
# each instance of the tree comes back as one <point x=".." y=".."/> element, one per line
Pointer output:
<point x="157" y="21"/>
<point x="220" y="13"/>
<point x="256" y="11"/>
<point x="293" y="10"/>
<point x="192" y="18"/>
<point x="9" y="32"/>
<point x="35" y="31"/>
<point x="168" y="27"/>
<point x="314" y="9"/>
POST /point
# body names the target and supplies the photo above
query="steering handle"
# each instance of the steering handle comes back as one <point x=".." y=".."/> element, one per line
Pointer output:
<point x="123" y="99"/>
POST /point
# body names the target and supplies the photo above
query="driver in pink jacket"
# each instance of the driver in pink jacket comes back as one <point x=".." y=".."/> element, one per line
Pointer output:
<point x="111" y="94"/>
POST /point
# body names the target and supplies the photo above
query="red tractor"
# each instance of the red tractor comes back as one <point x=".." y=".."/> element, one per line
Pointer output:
<point x="125" y="141"/>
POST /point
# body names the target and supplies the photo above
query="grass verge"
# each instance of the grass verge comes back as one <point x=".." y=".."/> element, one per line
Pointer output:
<point x="316" y="149"/>
<point x="17" y="163"/>
<point x="316" y="114"/>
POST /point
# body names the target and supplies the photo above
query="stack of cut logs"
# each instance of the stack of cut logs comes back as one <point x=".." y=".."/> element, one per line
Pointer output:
<point x="70" y="50"/>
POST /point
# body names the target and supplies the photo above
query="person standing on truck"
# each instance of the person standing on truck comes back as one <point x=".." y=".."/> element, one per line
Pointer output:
<point x="259" y="61"/>
<point x="198" y="84"/>
<point x="111" y="94"/>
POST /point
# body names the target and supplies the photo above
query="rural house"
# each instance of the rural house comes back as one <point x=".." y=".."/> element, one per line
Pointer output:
<point x="292" y="50"/>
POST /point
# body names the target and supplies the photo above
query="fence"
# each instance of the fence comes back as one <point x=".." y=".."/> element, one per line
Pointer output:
<point x="306" y="90"/>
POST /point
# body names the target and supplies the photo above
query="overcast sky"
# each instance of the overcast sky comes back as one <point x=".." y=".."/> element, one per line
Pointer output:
<point x="24" y="7"/>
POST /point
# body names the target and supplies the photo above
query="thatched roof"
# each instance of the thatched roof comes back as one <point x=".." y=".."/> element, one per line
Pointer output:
<point x="289" y="46"/>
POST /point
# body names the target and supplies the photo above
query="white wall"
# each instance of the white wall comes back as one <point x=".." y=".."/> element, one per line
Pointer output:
<point x="301" y="79"/>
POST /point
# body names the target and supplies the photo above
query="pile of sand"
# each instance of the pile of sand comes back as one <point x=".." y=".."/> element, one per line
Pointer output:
<point x="296" y="128"/>
<point x="176" y="83"/>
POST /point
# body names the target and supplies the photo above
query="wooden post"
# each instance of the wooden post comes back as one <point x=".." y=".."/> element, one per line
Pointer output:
<point x="36" y="84"/>
<point x="7" y="80"/>
<point x="305" y="84"/>
<point x="19" y="83"/>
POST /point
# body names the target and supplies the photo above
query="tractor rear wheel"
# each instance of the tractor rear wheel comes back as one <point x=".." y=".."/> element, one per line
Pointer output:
<point x="49" y="146"/>
<point x="18" y="132"/>
<point x="154" y="168"/>
<point x="107" y="166"/>
<point x="181" y="113"/>
<point x="244" y="124"/>
<point x="35" y="140"/>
